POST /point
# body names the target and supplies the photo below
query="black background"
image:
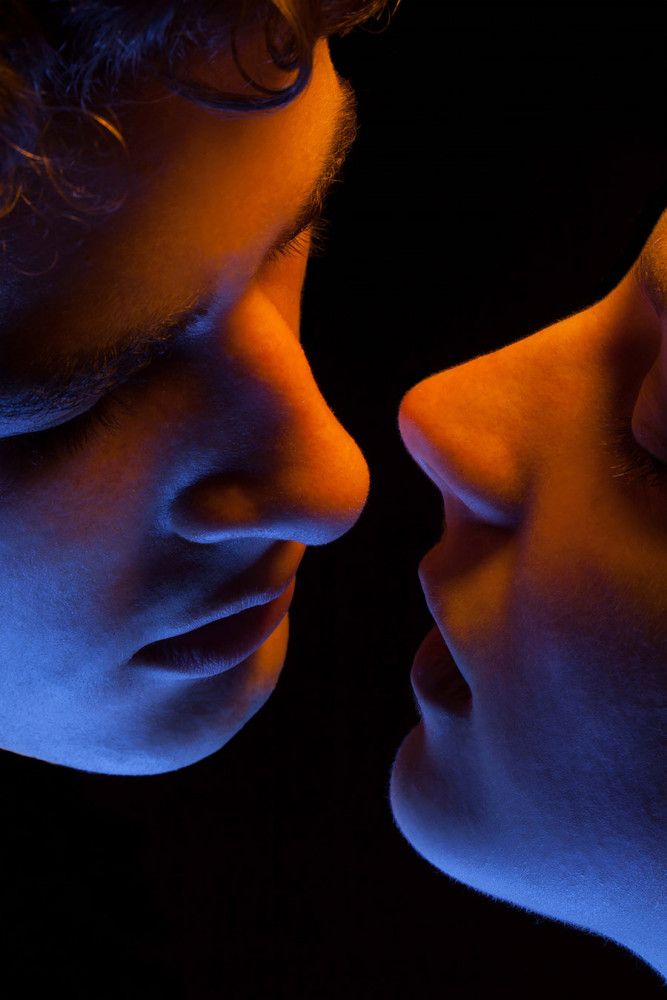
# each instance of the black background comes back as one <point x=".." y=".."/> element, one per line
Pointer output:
<point x="510" y="164"/>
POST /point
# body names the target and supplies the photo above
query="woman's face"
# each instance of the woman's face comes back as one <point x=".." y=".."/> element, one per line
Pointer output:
<point x="537" y="771"/>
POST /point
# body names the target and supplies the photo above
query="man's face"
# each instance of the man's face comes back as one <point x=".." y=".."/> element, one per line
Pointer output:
<point x="537" y="771"/>
<point x="219" y="464"/>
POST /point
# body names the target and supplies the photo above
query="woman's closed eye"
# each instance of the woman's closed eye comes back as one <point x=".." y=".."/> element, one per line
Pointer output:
<point x="317" y="232"/>
<point x="636" y="465"/>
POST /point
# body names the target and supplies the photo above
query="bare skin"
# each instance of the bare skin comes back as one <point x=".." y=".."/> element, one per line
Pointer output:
<point x="226" y="463"/>
<point x="545" y="785"/>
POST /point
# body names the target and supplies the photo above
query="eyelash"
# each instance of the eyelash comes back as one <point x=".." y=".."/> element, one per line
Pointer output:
<point x="638" y="465"/>
<point x="71" y="437"/>
<point x="318" y="231"/>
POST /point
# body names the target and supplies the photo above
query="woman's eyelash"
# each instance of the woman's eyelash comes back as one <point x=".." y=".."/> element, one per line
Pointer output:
<point x="637" y="465"/>
<point x="318" y="231"/>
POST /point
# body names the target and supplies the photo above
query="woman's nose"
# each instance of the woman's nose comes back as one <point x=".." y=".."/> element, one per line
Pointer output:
<point x="461" y="427"/>
<point x="279" y="464"/>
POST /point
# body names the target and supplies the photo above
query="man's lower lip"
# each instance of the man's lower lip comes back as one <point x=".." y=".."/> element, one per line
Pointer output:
<point x="219" y="646"/>
<point x="436" y="679"/>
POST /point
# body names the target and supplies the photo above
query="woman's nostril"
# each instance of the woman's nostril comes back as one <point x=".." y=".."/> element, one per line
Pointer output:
<point x="409" y="408"/>
<point x="437" y="480"/>
<point x="428" y="470"/>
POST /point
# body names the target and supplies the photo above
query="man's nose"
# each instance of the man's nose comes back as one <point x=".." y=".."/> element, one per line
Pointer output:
<point x="459" y="427"/>
<point x="280" y="464"/>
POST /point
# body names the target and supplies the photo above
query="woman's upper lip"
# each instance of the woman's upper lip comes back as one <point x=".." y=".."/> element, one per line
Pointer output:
<point x="427" y="577"/>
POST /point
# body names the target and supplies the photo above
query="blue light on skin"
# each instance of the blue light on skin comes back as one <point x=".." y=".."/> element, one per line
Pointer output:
<point x="226" y="460"/>
<point x="550" y="792"/>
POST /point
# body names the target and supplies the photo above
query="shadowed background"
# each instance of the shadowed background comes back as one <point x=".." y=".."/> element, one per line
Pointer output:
<point x="510" y="164"/>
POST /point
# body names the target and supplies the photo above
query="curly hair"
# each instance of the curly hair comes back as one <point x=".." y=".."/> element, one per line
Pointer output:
<point x="63" y="60"/>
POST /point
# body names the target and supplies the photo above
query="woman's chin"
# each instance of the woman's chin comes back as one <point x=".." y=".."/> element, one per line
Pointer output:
<point x="409" y="790"/>
<point x="435" y="803"/>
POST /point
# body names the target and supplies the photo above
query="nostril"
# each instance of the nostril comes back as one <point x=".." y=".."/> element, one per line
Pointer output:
<point x="466" y="496"/>
<point x="473" y="463"/>
<point x="438" y="480"/>
<point x="408" y="415"/>
<point x="428" y="470"/>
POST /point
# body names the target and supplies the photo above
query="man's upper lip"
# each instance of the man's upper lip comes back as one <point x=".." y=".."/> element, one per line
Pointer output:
<point x="249" y="599"/>
<point x="260" y="583"/>
<point x="249" y="588"/>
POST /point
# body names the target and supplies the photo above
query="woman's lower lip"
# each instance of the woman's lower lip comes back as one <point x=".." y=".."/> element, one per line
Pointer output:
<point x="436" y="679"/>
<point x="220" y="645"/>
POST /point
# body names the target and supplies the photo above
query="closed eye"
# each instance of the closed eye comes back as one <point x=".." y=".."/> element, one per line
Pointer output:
<point x="317" y="232"/>
<point x="635" y="464"/>
<point x="71" y="436"/>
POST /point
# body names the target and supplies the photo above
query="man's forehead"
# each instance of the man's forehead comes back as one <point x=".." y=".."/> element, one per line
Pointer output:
<point x="217" y="187"/>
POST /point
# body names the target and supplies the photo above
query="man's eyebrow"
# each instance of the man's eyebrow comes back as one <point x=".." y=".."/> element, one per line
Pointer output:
<point x="63" y="384"/>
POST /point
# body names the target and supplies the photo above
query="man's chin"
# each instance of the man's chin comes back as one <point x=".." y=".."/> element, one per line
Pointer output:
<point x="173" y="730"/>
<point x="219" y="707"/>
